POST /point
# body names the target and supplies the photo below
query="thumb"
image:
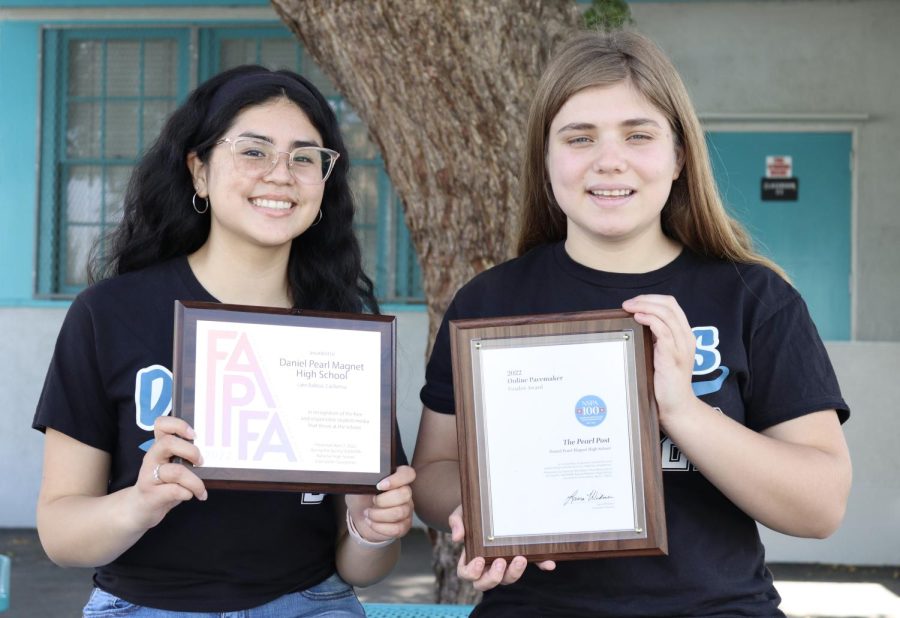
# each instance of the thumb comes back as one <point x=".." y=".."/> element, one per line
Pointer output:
<point x="457" y="529"/>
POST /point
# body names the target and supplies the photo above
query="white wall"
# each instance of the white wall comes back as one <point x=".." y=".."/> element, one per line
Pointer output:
<point x="869" y="535"/>
<point x="26" y="345"/>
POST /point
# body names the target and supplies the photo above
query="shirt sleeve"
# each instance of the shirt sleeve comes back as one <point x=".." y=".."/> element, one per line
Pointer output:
<point x="74" y="400"/>
<point x="790" y="372"/>
<point x="437" y="394"/>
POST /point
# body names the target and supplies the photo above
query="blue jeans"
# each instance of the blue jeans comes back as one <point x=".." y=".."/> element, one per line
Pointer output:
<point x="333" y="598"/>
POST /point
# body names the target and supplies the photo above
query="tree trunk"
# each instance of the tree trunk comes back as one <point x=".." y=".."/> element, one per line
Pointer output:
<point x="444" y="89"/>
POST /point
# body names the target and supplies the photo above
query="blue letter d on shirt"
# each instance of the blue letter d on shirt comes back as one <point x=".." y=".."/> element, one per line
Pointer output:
<point x="152" y="397"/>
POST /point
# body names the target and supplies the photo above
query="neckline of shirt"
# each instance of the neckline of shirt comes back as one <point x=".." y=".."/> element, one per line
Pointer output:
<point x="619" y="280"/>
<point x="187" y="276"/>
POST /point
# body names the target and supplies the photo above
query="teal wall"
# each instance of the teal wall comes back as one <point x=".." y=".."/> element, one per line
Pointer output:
<point x="19" y="107"/>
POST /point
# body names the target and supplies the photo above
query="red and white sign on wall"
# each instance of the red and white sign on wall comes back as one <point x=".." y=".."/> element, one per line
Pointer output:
<point x="779" y="166"/>
<point x="779" y="184"/>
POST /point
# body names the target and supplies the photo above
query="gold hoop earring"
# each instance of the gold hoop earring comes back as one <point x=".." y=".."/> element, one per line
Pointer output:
<point x="194" y="204"/>
<point x="318" y="219"/>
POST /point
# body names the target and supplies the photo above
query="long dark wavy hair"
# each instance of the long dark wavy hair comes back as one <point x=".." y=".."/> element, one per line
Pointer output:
<point x="159" y="222"/>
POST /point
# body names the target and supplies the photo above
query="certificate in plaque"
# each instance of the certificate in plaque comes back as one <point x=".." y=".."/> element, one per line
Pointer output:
<point x="558" y="436"/>
<point x="289" y="400"/>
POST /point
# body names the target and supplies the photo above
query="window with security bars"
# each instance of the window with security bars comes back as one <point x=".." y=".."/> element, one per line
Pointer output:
<point x="106" y="95"/>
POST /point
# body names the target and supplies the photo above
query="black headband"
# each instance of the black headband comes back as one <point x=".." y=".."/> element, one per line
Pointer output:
<point x="249" y="81"/>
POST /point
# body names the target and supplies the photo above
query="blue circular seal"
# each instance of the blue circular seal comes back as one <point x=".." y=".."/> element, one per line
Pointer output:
<point x="590" y="411"/>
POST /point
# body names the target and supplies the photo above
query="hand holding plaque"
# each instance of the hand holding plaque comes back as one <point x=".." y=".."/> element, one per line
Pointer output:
<point x="559" y="455"/>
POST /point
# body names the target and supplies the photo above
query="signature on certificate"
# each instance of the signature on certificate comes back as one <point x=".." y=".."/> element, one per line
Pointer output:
<point x="592" y="496"/>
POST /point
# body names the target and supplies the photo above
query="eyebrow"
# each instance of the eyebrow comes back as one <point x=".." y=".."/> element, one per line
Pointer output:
<point x="265" y="138"/>
<point x="639" y="122"/>
<point x="577" y="126"/>
<point x="588" y="126"/>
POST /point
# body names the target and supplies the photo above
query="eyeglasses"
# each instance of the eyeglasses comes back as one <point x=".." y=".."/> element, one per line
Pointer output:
<point x="310" y="165"/>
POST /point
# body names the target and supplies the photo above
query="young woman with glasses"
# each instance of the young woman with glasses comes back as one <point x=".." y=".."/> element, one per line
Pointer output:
<point x="620" y="210"/>
<point x="243" y="199"/>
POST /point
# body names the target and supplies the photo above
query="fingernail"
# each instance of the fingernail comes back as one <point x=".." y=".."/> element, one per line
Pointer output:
<point x="204" y="496"/>
<point x="383" y="484"/>
<point x="366" y="514"/>
<point x="190" y="433"/>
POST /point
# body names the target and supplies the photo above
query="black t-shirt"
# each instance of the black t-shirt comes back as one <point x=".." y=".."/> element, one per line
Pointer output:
<point x="759" y="360"/>
<point x="110" y="377"/>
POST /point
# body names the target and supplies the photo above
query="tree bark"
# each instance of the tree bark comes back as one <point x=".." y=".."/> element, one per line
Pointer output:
<point x="444" y="89"/>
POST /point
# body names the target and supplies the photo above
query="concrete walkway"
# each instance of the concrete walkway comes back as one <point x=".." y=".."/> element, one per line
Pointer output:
<point x="40" y="589"/>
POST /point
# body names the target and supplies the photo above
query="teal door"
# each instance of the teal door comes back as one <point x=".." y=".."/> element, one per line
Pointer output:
<point x="808" y="236"/>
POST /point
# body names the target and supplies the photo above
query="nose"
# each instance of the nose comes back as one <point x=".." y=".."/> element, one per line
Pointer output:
<point x="281" y="173"/>
<point x="609" y="156"/>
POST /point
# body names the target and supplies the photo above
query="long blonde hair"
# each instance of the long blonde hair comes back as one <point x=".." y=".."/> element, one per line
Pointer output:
<point x="694" y="214"/>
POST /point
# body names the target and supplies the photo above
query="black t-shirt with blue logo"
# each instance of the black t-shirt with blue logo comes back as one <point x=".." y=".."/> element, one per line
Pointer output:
<point x="109" y="379"/>
<point x="759" y="359"/>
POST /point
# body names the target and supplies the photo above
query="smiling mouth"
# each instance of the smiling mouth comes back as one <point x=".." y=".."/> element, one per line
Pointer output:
<point x="273" y="204"/>
<point x="612" y="192"/>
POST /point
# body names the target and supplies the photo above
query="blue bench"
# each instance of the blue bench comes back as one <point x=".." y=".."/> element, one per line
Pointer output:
<point x="4" y="582"/>
<point x="413" y="610"/>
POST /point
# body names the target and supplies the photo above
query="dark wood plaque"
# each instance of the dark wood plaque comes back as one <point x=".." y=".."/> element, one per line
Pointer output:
<point x="558" y="436"/>
<point x="284" y="399"/>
